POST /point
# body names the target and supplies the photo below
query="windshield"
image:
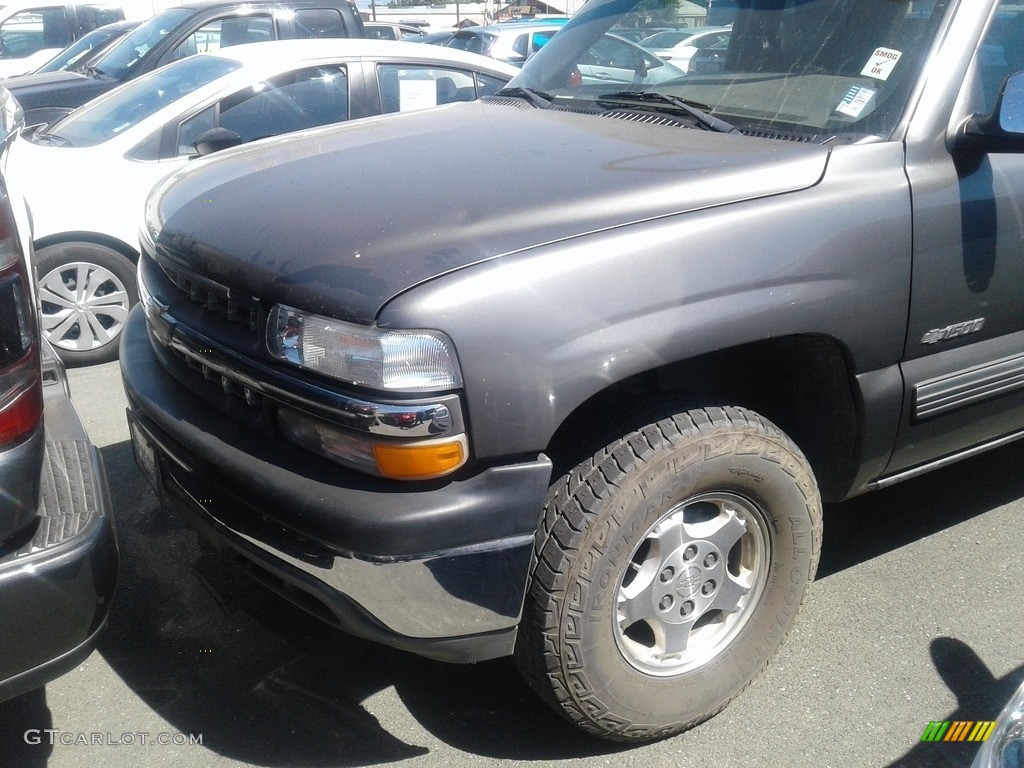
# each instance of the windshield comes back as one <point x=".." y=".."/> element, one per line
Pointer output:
<point x="77" y="51"/>
<point x="820" y="68"/>
<point x="118" y="61"/>
<point x="113" y="114"/>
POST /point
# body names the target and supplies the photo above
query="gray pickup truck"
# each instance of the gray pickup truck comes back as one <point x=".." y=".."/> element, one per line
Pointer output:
<point x="565" y="373"/>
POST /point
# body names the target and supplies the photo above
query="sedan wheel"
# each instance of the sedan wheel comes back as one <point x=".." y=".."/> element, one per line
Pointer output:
<point x="85" y="292"/>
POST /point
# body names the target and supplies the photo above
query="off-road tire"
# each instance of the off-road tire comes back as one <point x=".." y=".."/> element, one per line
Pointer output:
<point x="623" y="511"/>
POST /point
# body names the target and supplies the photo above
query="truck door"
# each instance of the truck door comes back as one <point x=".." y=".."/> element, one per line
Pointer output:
<point x="964" y="358"/>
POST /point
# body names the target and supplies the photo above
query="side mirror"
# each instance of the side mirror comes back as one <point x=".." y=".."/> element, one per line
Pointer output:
<point x="1011" y="105"/>
<point x="1003" y="130"/>
<point x="216" y="139"/>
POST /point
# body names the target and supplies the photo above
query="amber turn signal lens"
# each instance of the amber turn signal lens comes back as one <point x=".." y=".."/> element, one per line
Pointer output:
<point x="419" y="462"/>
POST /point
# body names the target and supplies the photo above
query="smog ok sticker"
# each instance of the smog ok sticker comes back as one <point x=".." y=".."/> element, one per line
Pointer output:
<point x="881" y="64"/>
<point x="855" y="100"/>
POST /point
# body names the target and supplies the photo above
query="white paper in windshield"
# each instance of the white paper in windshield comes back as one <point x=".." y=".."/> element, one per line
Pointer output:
<point x="855" y="100"/>
<point x="417" y="94"/>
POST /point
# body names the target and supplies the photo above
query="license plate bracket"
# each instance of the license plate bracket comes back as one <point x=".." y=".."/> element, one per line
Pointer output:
<point x="145" y="454"/>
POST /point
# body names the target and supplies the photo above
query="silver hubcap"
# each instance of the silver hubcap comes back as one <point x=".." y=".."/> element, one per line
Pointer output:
<point x="691" y="584"/>
<point x="83" y="306"/>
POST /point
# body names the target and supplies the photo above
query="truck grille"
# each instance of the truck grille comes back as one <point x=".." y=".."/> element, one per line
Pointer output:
<point x="217" y="299"/>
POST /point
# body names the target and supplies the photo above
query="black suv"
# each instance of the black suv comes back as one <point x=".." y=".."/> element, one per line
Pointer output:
<point x="58" y="556"/>
<point x="200" y="27"/>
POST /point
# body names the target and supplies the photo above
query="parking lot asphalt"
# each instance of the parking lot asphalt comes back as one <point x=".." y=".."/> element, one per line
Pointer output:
<point x="916" y="616"/>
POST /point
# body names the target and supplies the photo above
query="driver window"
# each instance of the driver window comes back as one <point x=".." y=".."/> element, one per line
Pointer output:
<point x="306" y="98"/>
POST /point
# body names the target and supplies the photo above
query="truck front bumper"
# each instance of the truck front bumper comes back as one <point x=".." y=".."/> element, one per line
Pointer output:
<point x="438" y="568"/>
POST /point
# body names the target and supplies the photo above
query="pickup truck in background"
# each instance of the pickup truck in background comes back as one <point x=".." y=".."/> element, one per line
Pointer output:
<point x="574" y="387"/>
<point x="32" y="32"/>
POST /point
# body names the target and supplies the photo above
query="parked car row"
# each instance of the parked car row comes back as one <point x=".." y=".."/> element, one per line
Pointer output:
<point x="204" y="26"/>
<point x="622" y="49"/>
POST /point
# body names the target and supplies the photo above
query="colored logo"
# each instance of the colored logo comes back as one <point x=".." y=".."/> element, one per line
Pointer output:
<point x="958" y="730"/>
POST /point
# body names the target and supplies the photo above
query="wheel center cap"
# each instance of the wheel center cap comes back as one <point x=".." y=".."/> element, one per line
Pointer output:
<point x="688" y="581"/>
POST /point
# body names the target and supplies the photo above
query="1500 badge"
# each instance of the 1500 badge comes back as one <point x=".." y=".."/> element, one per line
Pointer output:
<point x="953" y="331"/>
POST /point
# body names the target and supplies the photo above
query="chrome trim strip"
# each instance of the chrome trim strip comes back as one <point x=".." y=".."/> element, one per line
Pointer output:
<point x="409" y="419"/>
<point x="443" y="415"/>
<point x="899" y="477"/>
<point x="958" y="390"/>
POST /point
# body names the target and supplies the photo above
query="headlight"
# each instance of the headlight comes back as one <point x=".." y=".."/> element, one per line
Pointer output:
<point x="1005" y="747"/>
<point x="396" y="361"/>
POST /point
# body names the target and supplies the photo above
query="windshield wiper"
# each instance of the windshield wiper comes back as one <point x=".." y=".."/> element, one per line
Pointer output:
<point x="41" y="137"/>
<point x="688" y="108"/>
<point x="539" y="99"/>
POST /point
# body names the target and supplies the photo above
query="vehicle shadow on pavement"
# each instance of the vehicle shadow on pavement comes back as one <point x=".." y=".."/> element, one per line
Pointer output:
<point x="883" y="521"/>
<point x="979" y="696"/>
<point x="213" y="653"/>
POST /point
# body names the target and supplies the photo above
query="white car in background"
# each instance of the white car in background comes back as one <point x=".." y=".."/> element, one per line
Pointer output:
<point x="85" y="177"/>
<point x="679" y="45"/>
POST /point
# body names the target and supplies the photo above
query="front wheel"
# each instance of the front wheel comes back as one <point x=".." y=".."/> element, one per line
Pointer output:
<point x="668" y="570"/>
<point x="85" y="292"/>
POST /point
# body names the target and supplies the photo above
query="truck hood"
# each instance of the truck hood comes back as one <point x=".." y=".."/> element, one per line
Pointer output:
<point x="56" y="89"/>
<point x="340" y="220"/>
